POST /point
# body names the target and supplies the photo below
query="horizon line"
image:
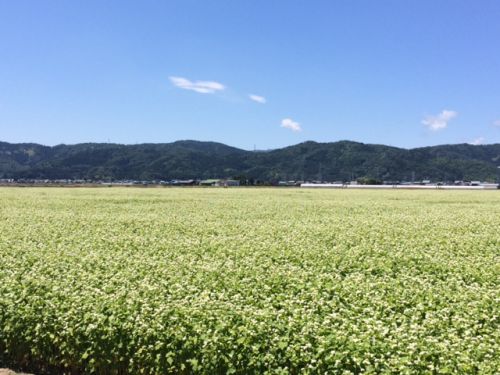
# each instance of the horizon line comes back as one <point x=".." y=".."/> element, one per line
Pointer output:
<point x="242" y="149"/>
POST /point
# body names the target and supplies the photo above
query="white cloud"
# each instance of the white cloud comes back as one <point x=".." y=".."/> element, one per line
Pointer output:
<point x="288" y="123"/>
<point x="440" y="121"/>
<point x="257" y="98"/>
<point x="203" y="87"/>
<point x="496" y="123"/>
<point x="477" y="141"/>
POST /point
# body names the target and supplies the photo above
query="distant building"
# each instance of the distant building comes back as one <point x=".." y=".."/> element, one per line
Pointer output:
<point x="210" y="182"/>
<point x="231" y="183"/>
<point x="183" y="182"/>
<point x="219" y="182"/>
<point x="286" y="183"/>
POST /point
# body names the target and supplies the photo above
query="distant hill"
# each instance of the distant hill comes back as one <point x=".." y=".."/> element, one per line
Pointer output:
<point x="334" y="161"/>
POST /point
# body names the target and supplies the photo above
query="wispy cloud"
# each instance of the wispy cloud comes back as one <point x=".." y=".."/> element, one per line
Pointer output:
<point x="439" y="121"/>
<point x="496" y="123"/>
<point x="477" y="141"/>
<point x="203" y="87"/>
<point x="288" y="123"/>
<point x="257" y="98"/>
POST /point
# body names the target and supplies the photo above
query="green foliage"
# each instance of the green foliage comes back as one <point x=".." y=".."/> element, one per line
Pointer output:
<point x="344" y="161"/>
<point x="204" y="281"/>
<point x="369" y="181"/>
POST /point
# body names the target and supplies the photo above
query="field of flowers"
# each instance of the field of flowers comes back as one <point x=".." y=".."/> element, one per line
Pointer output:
<point x="166" y="280"/>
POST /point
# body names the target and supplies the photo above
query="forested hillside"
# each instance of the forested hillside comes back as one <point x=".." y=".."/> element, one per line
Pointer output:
<point x="343" y="160"/>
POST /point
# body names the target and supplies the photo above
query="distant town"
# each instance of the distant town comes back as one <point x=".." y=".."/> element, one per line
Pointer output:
<point x="225" y="182"/>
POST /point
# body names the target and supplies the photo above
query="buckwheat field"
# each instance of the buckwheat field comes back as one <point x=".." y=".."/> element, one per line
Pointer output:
<point x="166" y="280"/>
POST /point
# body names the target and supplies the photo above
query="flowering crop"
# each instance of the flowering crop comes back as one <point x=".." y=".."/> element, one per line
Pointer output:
<point x="159" y="281"/>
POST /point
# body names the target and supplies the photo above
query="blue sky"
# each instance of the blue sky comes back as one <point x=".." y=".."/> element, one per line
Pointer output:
<point x="404" y="73"/>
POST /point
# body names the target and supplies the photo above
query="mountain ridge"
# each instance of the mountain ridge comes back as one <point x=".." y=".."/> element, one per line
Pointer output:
<point x="309" y="160"/>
